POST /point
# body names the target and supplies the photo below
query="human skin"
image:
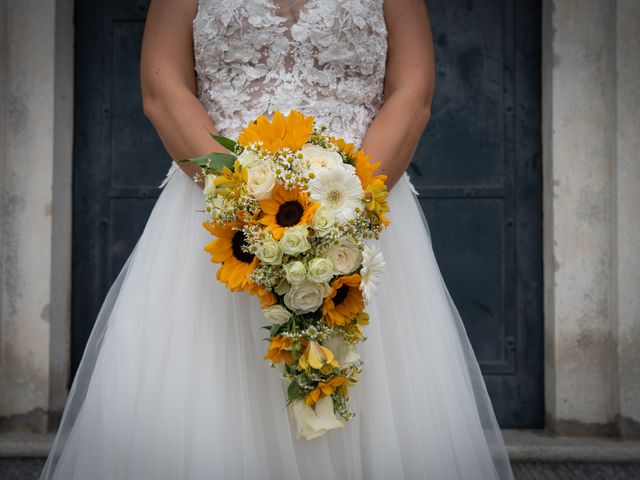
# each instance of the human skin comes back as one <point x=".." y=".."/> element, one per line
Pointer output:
<point x="168" y="84"/>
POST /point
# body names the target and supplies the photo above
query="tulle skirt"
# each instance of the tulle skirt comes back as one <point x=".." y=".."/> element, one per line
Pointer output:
<point x="172" y="384"/>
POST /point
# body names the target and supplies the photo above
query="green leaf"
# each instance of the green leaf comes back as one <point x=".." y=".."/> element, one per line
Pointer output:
<point x="214" y="161"/>
<point x="274" y="329"/>
<point x="294" y="391"/>
<point x="225" y="142"/>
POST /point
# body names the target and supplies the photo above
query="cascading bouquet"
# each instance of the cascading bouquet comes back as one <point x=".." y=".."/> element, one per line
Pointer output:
<point x="291" y="208"/>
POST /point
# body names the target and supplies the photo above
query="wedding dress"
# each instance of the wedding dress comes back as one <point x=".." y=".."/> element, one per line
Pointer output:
<point x="172" y="384"/>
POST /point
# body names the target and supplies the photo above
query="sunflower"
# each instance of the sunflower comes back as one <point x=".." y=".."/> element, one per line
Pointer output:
<point x="286" y="208"/>
<point x="266" y="297"/>
<point x="291" y="131"/>
<point x="324" y="389"/>
<point x="364" y="168"/>
<point x="227" y="249"/>
<point x="344" y="302"/>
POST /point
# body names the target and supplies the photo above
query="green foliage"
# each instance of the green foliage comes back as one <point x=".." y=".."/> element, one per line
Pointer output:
<point x="225" y="142"/>
<point x="215" y="161"/>
<point x="295" y="391"/>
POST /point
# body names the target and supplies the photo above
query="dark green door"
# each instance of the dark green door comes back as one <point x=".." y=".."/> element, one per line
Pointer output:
<point x="118" y="159"/>
<point x="477" y="170"/>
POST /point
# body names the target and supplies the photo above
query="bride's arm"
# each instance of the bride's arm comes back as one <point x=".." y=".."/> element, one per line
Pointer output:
<point x="168" y="82"/>
<point x="393" y="135"/>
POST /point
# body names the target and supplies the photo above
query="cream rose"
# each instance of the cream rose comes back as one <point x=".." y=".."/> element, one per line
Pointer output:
<point x="306" y="297"/>
<point x="323" y="221"/>
<point x="320" y="270"/>
<point x="345" y="255"/>
<point x="296" y="272"/>
<point x="209" y="185"/>
<point x="319" y="158"/>
<point x="311" y="424"/>
<point x="261" y="179"/>
<point x="248" y="158"/>
<point x="277" y="314"/>
<point x="294" y="240"/>
<point x="282" y="287"/>
<point x="269" y="252"/>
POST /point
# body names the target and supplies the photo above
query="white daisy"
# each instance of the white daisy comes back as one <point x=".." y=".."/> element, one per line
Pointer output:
<point x="338" y="189"/>
<point x="371" y="272"/>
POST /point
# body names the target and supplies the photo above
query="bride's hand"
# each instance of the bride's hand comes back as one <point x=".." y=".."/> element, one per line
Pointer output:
<point x="169" y="84"/>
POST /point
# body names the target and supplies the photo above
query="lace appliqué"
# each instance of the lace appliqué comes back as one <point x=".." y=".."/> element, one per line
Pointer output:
<point x="329" y="62"/>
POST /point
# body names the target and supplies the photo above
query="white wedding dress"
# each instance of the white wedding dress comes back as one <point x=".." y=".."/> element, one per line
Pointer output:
<point x="172" y="384"/>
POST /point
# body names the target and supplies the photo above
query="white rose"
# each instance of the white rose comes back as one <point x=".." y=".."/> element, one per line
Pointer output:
<point x="346" y="256"/>
<point x="323" y="221"/>
<point x="261" y="179"/>
<point x="294" y="240"/>
<point x="277" y="314"/>
<point x="269" y="252"/>
<point x="296" y="272"/>
<point x="282" y="287"/>
<point x="318" y="158"/>
<point x="306" y="297"/>
<point x="320" y="270"/>
<point x="209" y="185"/>
<point x="247" y="158"/>
<point x="344" y="352"/>
<point x="311" y="424"/>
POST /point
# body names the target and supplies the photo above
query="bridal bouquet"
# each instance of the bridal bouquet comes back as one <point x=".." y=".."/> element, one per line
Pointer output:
<point x="294" y="212"/>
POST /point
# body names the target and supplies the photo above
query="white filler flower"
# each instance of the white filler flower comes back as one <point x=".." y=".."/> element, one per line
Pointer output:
<point x="371" y="272"/>
<point x="338" y="189"/>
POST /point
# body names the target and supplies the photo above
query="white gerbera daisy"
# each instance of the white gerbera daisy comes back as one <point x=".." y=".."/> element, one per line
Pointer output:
<point x="371" y="272"/>
<point x="338" y="189"/>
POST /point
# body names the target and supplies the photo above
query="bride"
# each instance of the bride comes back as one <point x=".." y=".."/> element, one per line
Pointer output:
<point x="172" y="384"/>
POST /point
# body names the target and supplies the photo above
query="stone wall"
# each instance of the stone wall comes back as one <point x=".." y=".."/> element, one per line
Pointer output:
<point x="35" y="158"/>
<point x="626" y="201"/>
<point x="591" y="130"/>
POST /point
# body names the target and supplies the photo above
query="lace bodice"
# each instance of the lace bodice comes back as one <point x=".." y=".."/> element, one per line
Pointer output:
<point x="322" y="57"/>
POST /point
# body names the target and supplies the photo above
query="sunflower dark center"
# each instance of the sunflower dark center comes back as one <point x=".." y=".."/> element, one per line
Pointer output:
<point x="340" y="295"/>
<point x="289" y="213"/>
<point x="237" y="242"/>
